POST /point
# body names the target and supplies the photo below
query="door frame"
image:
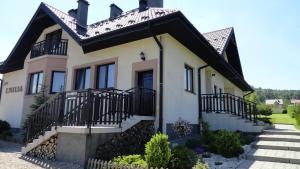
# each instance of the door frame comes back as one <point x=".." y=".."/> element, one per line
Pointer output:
<point x="144" y="66"/>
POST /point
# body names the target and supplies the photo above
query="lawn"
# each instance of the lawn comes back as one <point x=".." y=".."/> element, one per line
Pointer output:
<point x="279" y="119"/>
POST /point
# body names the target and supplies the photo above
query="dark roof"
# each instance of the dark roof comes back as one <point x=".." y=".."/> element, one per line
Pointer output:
<point x="219" y="38"/>
<point x="130" y="26"/>
<point x="126" y="19"/>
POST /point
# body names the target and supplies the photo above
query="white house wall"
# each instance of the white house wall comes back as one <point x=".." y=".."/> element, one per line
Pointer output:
<point x="11" y="105"/>
<point x="179" y="103"/>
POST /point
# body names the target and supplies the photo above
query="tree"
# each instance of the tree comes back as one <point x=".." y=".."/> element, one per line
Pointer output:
<point x="253" y="98"/>
<point x="39" y="99"/>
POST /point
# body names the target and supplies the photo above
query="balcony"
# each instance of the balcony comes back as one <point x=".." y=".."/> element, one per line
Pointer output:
<point x="230" y="104"/>
<point x="58" y="47"/>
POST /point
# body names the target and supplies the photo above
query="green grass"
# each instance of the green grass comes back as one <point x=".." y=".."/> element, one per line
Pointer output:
<point x="279" y="119"/>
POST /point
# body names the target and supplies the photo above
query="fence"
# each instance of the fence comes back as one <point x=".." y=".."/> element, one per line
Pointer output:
<point x="99" y="164"/>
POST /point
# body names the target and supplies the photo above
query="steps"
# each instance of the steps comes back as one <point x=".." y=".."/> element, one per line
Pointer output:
<point x="278" y="146"/>
<point x="218" y="121"/>
<point x="41" y="139"/>
<point x="125" y="125"/>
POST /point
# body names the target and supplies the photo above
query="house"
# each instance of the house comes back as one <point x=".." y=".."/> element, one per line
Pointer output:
<point x="295" y="101"/>
<point x="275" y="102"/>
<point x="146" y="64"/>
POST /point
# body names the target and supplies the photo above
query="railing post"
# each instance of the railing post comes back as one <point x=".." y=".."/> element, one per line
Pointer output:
<point x="89" y="109"/>
<point x="61" y="108"/>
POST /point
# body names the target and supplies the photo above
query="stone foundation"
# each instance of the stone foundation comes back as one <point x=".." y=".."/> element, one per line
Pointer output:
<point x="131" y="141"/>
<point x="45" y="151"/>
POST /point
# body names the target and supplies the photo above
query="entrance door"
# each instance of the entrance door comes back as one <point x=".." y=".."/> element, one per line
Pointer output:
<point x="145" y="79"/>
<point x="144" y="99"/>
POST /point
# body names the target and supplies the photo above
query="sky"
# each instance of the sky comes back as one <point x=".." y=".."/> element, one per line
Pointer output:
<point x="267" y="31"/>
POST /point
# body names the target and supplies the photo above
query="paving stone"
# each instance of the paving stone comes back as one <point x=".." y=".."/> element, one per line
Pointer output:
<point x="249" y="164"/>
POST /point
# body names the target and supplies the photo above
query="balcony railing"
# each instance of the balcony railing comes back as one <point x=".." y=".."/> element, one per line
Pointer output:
<point x="228" y="103"/>
<point x="90" y="108"/>
<point x="59" y="47"/>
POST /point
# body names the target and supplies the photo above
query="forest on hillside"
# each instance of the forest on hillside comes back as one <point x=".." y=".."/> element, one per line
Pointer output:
<point x="264" y="94"/>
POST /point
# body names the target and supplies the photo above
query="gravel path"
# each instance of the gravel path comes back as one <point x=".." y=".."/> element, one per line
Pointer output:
<point x="11" y="158"/>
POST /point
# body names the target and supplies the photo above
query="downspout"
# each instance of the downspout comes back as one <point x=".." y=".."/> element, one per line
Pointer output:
<point x="199" y="93"/>
<point x="161" y="78"/>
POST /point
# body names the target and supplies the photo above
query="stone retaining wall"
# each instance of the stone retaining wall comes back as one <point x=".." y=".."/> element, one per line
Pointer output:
<point x="46" y="151"/>
<point x="131" y="141"/>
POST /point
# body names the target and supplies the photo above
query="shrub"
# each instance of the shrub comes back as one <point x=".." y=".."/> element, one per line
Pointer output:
<point x="136" y="160"/>
<point x="291" y="109"/>
<point x="182" y="128"/>
<point x="182" y="157"/>
<point x="297" y="114"/>
<point x="284" y="111"/>
<point x="264" y="109"/>
<point x="193" y="143"/>
<point x="226" y="143"/>
<point x="4" y="129"/>
<point x="200" y="165"/>
<point x="158" y="152"/>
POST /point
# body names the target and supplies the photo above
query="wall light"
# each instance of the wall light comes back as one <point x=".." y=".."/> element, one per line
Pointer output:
<point x="142" y="56"/>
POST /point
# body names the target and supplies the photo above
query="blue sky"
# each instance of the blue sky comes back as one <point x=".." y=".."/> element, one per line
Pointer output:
<point x="267" y="31"/>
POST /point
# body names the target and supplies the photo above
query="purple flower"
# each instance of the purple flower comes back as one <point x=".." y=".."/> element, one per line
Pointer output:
<point x="199" y="150"/>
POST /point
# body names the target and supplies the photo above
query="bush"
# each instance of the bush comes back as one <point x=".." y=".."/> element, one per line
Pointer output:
<point x="284" y="111"/>
<point x="291" y="109"/>
<point x="297" y="114"/>
<point x="193" y="143"/>
<point x="4" y="129"/>
<point x="226" y="143"/>
<point x="136" y="160"/>
<point x="182" y="158"/>
<point x="182" y="128"/>
<point x="200" y="165"/>
<point x="158" y="152"/>
<point x="264" y="109"/>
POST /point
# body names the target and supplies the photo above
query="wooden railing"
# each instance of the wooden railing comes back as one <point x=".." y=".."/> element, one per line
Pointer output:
<point x="90" y="108"/>
<point x="228" y="103"/>
<point x="59" y="47"/>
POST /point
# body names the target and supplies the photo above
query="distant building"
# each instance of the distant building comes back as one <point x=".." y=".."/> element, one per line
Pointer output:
<point x="295" y="101"/>
<point x="275" y="102"/>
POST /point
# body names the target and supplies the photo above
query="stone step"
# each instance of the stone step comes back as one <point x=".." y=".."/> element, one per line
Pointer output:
<point x="249" y="164"/>
<point x="282" y="132"/>
<point x="282" y="156"/>
<point x="278" y="137"/>
<point x="278" y="145"/>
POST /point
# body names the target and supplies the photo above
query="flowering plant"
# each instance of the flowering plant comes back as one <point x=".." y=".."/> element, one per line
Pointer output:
<point x="182" y="128"/>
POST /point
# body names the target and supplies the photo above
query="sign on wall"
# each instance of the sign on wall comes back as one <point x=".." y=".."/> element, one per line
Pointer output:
<point x="15" y="89"/>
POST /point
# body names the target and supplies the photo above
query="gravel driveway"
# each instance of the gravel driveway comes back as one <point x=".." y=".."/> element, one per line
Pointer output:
<point x="11" y="158"/>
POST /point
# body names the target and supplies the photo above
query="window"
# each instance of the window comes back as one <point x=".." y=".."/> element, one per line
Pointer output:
<point x="58" y="82"/>
<point x="53" y="40"/>
<point x="36" y="82"/>
<point x="189" y="81"/>
<point x="82" y="79"/>
<point x="106" y="76"/>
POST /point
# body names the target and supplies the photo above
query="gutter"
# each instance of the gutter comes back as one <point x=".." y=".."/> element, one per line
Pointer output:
<point x="161" y="79"/>
<point x="248" y="94"/>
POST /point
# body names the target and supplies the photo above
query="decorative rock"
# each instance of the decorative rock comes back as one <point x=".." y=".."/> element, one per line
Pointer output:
<point x="45" y="151"/>
<point x="131" y="141"/>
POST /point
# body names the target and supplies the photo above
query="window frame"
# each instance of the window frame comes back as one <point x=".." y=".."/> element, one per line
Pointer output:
<point x="188" y="84"/>
<point x="29" y="91"/>
<point x="52" y="80"/>
<point x="84" y="77"/>
<point x="106" y="75"/>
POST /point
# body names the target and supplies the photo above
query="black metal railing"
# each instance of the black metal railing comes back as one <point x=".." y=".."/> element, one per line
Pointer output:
<point x="59" y="47"/>
<point x="228" y="103"/>
<point x="90" y="108"/>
